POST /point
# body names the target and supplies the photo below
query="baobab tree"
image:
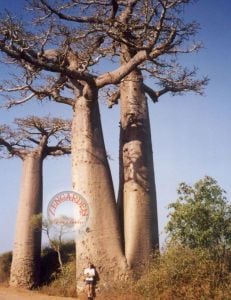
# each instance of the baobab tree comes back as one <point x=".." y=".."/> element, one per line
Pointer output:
<point x="71" y="39"/>
<point x="137" y="192"/>
<point x="91" y="174"/>
<point x="153" y="34"/>
<point x="32" y="140"/>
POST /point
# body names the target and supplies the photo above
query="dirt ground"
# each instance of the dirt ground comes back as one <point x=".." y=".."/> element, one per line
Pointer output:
<point x="15" y="294"/>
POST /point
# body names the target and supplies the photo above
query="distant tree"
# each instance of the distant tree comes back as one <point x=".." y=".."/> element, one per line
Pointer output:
<point x="32" y="140"/>
<point x="201" y="216"/>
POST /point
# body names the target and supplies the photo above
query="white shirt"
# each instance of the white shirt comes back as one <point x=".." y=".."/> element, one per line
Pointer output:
<point x="89" y="273"/>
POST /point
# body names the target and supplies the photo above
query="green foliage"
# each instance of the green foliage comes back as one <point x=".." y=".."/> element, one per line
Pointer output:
<point x="5" y="263"/>
<point x="185" y="273"/>
<point x="201" y="216"/>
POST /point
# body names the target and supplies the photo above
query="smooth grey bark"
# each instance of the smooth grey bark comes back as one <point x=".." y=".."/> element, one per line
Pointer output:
<point x="137" y="193"/>
<point x="27" y="244"/>
<point x="101" y="243"/>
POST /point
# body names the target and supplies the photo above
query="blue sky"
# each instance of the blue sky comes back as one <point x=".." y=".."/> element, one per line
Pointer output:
<point x="190" y="133"/>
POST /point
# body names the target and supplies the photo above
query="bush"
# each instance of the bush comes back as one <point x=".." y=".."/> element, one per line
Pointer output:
<point x="55" y="281"/>
<point x="62" y="283"/>
<point x="184" y="273"/>
<point x="5" y="264"/>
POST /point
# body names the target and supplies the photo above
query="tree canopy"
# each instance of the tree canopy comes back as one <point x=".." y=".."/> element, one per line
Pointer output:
<point x="70" y="41"/>
<point x="32" y="132"/>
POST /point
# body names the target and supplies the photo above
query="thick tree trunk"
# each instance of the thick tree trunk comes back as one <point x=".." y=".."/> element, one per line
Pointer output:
<point x="137" y="194"/>
<point x="101" y="244"/>
<point x="27" y="245"/>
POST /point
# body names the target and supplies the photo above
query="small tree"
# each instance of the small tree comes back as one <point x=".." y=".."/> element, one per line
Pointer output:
<point x="54" y="232"/>
<point x="201" y="216"/>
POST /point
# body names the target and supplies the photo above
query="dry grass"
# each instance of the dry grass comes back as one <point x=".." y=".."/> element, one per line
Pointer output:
<point x="63" y="283"/>
<point x="183" y="273"/>
<point x="178" y="273"/>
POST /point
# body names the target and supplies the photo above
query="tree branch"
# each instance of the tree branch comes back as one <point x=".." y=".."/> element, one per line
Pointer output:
<point x="21" y="101"/>
<point x="35" y="60"/>
<point x="57" y="151"/>
<point x="151" y="93"/>
<point x="89" y="20"/>
<point x="113" y="99"/>
<point x="49" y="92"/>
<point x="13" y="151"/>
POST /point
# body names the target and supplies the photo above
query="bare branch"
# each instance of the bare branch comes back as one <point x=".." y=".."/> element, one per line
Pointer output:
<point x="148" y="29"/>
<point x="113" y="98"/>
<point x="114" y="77"/>
<point x="52" y="91"/>
<point x="21" y="101"/>
<point x="78" y="19"/>
<point x="151" y="93"/>
<point x="15" y="89"/>
<point x="7" y="145"/>
<point x="58" y="151"/>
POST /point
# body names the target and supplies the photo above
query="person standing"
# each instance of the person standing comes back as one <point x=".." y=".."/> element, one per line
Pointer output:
<point x="89" y="275"/>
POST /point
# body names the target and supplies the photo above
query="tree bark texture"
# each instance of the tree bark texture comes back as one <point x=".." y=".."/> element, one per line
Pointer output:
<point x="137" y="194"/>
<point x="101" y="243"/>
<point x="27" y="244"/>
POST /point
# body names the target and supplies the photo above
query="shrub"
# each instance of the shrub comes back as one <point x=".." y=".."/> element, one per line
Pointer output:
<point x="62" y="283"/>
<point x="54" y="280"/>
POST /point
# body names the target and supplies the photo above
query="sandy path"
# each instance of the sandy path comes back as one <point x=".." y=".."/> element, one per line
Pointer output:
<point x="15" y="294"/>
